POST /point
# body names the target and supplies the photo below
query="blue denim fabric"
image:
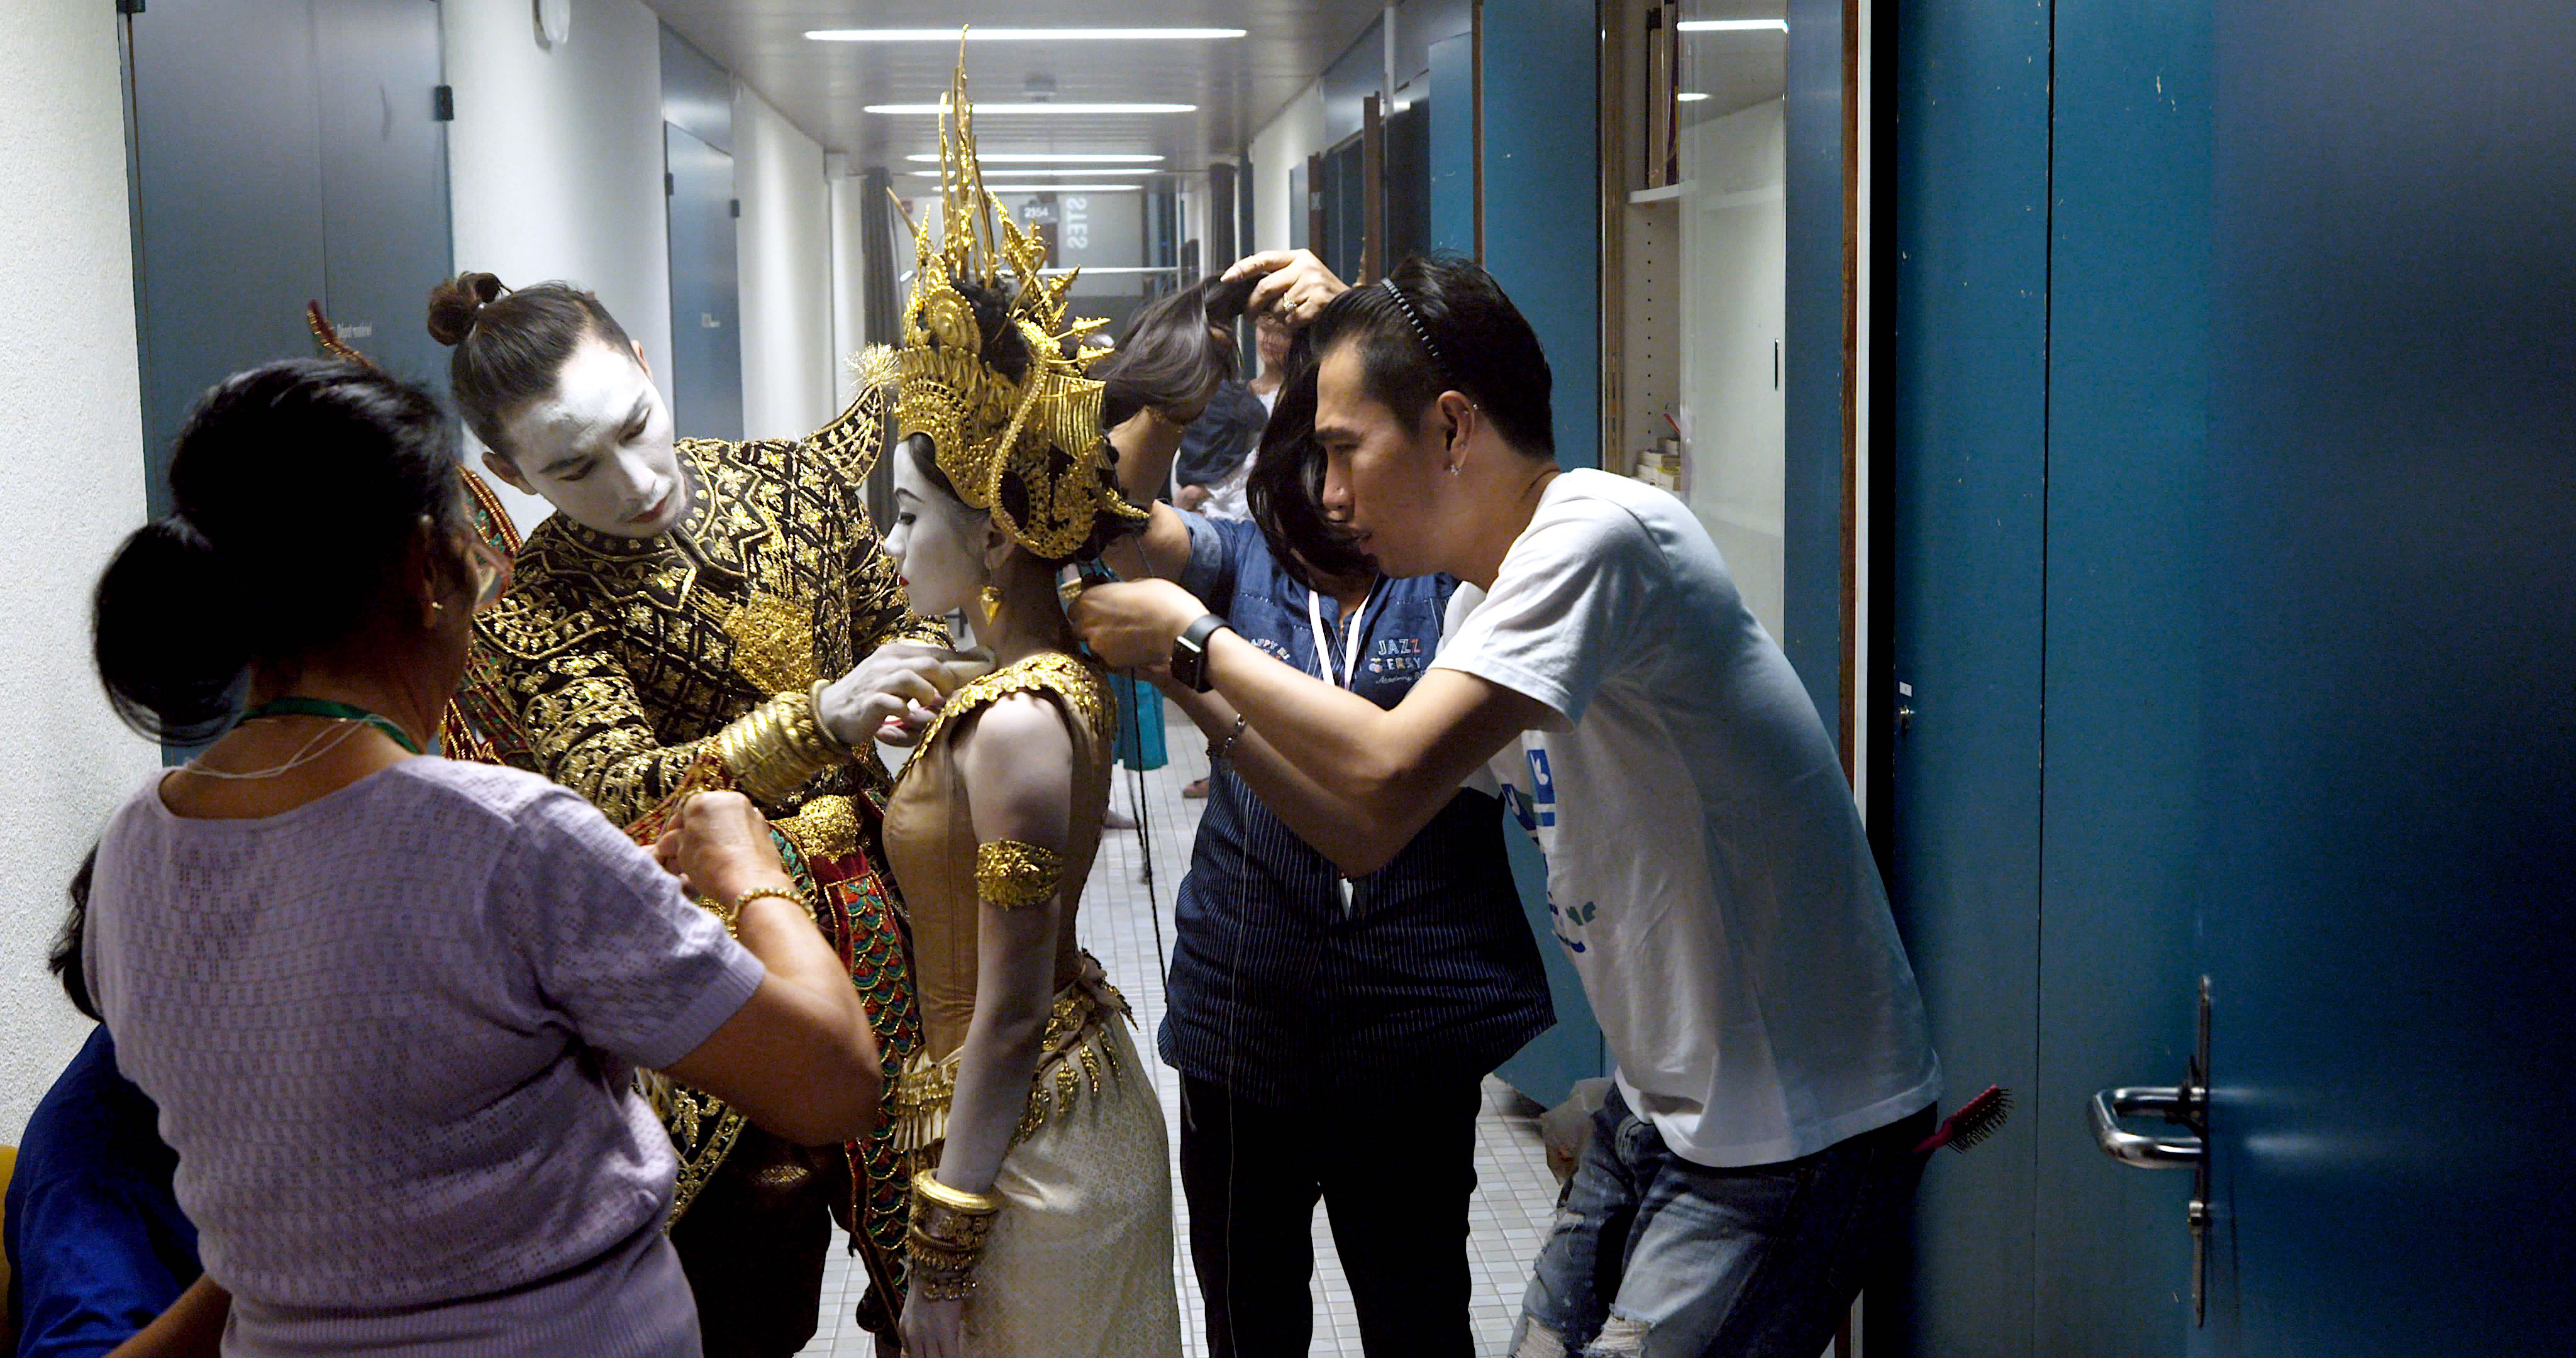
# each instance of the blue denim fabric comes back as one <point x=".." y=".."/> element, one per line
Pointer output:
<point x="1655" y="1256"/>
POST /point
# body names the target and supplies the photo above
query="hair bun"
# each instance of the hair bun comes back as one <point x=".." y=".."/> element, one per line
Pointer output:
<point x="168" y="632"/>
<point x="456" y="303"/>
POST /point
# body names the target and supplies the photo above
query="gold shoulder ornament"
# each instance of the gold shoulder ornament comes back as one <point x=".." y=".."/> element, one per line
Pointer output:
<point x="1015" y="874"/>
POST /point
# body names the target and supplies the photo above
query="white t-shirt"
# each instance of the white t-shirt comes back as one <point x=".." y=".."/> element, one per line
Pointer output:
<point x="1706" y="867"/>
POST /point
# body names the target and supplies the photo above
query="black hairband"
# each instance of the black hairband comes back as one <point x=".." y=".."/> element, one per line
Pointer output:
<point x="1420" y="331"/>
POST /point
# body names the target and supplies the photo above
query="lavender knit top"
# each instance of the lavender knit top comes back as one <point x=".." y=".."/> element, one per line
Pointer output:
<point x="391" y="1033"/>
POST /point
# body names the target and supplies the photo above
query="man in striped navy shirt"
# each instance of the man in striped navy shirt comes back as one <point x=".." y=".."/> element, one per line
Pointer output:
<point x="1332" y="1033"/>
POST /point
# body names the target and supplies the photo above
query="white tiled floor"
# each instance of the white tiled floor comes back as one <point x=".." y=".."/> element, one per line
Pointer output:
<point x="1515" y="1194"/>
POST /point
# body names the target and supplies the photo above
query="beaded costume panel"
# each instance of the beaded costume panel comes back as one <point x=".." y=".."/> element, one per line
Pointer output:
<point x="635" y="671"/>
<point x="618" y="657"/>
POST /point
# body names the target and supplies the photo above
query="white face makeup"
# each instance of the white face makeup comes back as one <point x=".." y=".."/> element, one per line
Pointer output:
<point x="936" y="542"/>
<point x="599" y="447"/>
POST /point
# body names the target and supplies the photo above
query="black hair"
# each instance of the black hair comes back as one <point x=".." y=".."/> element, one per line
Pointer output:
<point x="296" y="490"/>
<point x="511" y="344"/>
<point x="1441" y="323"/>
<point x="1286" y="487"/>
<point x="1171" y="357"/>
<point x="64" y="958"/>
<point x="1006" y="351"/>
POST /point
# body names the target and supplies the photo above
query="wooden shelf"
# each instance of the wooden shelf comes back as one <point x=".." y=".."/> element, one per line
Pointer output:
<point x="1667" y="194"/>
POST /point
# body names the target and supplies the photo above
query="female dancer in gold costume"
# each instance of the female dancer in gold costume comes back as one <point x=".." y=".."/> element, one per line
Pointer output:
<point x="1042" y="1203"/>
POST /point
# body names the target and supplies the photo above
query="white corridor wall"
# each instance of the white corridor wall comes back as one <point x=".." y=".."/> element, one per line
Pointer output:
<point x="784" y="245"/>
<point x="71" y="433"/>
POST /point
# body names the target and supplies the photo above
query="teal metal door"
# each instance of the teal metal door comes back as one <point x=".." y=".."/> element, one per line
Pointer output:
<point x="2235" y="413"/>
<point x="1959" y="508"/>
<point x="1543" y="244"/>
<point x="2389" y="772"/>
<point x="706" y="289"/>
<point x="2050" y="386"/>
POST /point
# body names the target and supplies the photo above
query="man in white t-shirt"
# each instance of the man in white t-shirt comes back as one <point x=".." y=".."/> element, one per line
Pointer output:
<point x="1707" y="871"/>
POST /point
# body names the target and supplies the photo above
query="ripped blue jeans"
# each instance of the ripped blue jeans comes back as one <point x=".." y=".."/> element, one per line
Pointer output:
<point x="1655" y="1256"/>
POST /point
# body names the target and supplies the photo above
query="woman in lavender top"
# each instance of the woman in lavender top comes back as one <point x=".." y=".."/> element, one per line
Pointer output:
<point x="389" y="1005"/>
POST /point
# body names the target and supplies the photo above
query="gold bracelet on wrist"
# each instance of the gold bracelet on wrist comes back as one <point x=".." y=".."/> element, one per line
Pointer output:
<point x="730" y="916"/>
<point x="950" y="1228"/>
<point x="814" y="704"/>
<point x="733" y="918"/>
<point x="928" y="1188"/>
<point x="778" y="747"/>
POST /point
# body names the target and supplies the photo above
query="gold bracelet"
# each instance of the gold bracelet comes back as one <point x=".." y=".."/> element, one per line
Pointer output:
<point x="728" y="916"/>
<point x="814" y="704"/>
<point x="956" y="1200"/>
<point x="778" y="747"/>
<point x="950" y="1228"/>
<point x="733" y="920"/>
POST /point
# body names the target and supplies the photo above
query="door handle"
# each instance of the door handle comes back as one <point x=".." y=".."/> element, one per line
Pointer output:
<point x="2185" y="1105"/>
<point x="2137" y="1150"/>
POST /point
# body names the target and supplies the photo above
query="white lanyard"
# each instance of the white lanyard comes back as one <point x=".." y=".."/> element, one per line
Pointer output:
<point x="1350" y="669"/>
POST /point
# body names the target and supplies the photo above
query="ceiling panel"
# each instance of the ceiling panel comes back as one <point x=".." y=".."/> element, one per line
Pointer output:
<point x="1237" y="83"/>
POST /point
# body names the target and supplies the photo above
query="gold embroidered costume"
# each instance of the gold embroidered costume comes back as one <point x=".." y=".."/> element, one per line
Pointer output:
<point x="637" y="670"/>
<point x="1070" y="1254"/>
<point x="621" y="658"/>
<point x="1079" y="1261"/>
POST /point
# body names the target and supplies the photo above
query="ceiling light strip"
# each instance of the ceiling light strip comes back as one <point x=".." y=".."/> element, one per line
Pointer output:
<point x="1023" y="34"/>
<point x="1734" y="25"/>
<point x="1057" y="110"/>
<point x="1049" y="158"/>
<point x="1024" y="171"/>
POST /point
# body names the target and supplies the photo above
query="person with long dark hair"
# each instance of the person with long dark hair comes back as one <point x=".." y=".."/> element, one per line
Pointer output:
<point x="1708" y="877"/>
<point x="1301" y="999"/>
<point x="388" y="1003"/>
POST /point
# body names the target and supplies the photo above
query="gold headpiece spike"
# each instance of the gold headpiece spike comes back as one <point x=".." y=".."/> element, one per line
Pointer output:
<point x="1029" y="449"/>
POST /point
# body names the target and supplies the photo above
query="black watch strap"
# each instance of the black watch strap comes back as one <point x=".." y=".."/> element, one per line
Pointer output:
<point x="1189" y="653"/>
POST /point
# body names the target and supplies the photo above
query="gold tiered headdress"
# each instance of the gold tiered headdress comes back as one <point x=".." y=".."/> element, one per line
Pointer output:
<point x="1039" y="437"/>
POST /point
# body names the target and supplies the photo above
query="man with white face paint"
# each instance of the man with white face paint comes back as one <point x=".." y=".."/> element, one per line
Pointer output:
<point x="702" y="614"/>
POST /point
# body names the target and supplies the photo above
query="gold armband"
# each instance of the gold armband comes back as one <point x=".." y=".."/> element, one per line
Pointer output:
<point x="778" y="748"/>
<point x="950" y="1229"/>
<point x="1011" y="874"/>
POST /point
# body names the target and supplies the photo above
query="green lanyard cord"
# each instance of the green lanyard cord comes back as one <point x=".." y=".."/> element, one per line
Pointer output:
<point x="324" y="707"/>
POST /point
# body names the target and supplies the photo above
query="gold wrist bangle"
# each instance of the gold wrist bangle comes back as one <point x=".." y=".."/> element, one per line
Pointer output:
<point x="730" y="916"/>
<point x="733" y="919"/>
<point x="814" y="704"/>
<point x="778" y="747"/>
<point x="955" y="1199"/>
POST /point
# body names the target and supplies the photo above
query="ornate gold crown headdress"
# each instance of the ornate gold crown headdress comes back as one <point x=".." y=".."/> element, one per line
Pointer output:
<point x="1038" y="435"/>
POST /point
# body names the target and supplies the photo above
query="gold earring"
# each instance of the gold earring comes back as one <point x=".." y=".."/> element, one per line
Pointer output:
<point x="992" y="599"/>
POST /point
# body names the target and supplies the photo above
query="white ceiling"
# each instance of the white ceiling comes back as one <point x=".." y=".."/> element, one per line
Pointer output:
<point x="1238" y="83"/>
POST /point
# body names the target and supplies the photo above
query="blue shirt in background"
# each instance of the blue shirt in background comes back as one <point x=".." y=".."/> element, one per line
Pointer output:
<point x="1278" y="991"/>
<point x="97" y="1244"/>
